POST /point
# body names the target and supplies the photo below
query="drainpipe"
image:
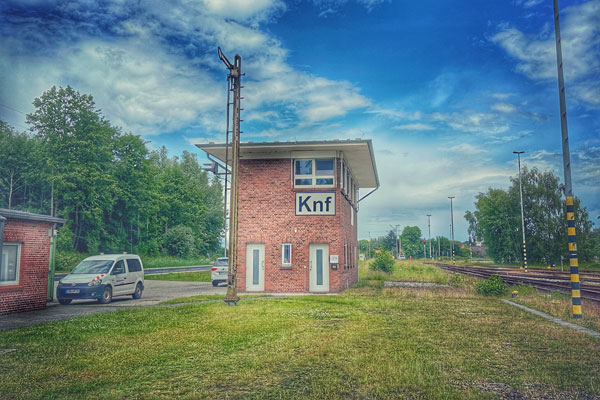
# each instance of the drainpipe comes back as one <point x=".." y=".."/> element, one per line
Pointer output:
<point x="51" y="266"/>
<point x="2" y="221"/>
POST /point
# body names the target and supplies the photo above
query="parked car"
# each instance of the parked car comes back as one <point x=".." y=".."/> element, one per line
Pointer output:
<point x="218" y="273"/>
<point x="103" y="277"/>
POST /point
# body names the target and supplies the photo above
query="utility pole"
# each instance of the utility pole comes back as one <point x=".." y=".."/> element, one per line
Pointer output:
<point x="235" y="79"/>
<point x="573" y="260"/>
<point x="524" y="265"/>
<point x="439" y="249"/>
<point x="429" y="226"/>
<point x="452" y="229"/>
<point x="369" y="244"/>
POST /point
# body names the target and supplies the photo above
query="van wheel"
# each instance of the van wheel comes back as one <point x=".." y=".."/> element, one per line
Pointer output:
<point x="65" y="301"/>
<point x="106" y="296"/>
<point x="138" y="291"/>
<point x="215" y="283"/>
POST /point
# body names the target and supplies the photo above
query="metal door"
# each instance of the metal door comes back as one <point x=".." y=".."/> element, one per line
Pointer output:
<point x="318" y="276"/>
<point x="255" y="267"/>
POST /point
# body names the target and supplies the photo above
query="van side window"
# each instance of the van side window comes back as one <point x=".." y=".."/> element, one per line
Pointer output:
<point x="119" y="268"/>
<point x="133" y="264"/>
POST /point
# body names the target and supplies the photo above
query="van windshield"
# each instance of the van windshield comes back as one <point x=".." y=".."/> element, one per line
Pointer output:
<point x="93" y="267"/>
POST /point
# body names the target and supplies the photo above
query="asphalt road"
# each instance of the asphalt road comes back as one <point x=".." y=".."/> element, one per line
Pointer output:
<point x="157" y="271"/>
<point x="154" y="293"/>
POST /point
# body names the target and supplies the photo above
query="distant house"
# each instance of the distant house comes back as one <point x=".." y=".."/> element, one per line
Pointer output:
<point x="25" y="254"/>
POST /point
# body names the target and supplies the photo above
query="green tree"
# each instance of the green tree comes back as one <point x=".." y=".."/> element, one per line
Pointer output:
<point x="389" y="241"/>
<point x="78" y="153"/>
<point x="412" y="243"/>
<point x="498" y="216"/>
<point x="383" y="262"/>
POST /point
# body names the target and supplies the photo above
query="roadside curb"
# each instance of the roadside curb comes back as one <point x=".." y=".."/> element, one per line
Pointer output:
<point x="555" y="319"/>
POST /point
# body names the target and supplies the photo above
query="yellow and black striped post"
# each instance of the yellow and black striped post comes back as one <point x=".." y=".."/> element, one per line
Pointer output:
<point x="573" y="261"/>
<point x="525" y="256"/>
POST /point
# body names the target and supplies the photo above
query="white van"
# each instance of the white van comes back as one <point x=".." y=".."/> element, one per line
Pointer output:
<point x="103" y="277"/>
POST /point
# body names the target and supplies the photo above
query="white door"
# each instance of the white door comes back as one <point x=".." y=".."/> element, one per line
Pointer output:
<point x="255" y="267"/>
<point x="318" y="277"/>
<point x="119" y="274"/>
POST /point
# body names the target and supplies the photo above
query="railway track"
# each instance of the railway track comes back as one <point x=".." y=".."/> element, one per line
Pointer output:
<point x="540" y="279"/>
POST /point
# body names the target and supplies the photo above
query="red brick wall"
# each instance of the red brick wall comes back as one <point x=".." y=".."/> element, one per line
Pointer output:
<point x="267" y="215"/>
<point x="30" y="293"/>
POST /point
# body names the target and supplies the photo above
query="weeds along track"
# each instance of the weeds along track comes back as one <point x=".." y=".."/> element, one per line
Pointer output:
<point x="540" y="279"/>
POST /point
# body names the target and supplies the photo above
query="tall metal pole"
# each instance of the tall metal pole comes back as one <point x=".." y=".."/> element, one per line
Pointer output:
<point x="226" y="159"/>
<point x="452" y="228"/>
<point x="439" y="249"/>
<point x="235" y="75"/>
<point x="369" y="244"/>
<point x="524" y="265"/>
<point x="573" y="260"/>
<point x="429" y="226"/>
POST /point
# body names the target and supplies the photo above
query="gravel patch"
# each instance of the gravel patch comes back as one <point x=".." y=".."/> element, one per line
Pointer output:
<point x="389" y="284"/>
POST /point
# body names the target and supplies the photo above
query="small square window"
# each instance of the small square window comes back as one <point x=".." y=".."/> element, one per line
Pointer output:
<point x="286" y="254"/>
<point x="303" y="167"/>
<point x="324" y="166"/>
<point x="9" y="272"/>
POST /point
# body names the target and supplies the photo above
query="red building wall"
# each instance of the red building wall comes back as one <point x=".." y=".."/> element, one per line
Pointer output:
<point x="30" y="293"/>
<point x="267" y="215"/>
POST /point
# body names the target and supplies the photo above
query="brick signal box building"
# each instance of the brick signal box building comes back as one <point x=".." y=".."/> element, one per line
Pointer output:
<point x="297" y="217"/>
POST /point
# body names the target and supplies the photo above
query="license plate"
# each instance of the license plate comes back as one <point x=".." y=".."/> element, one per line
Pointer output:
<point x="72" y="290"/>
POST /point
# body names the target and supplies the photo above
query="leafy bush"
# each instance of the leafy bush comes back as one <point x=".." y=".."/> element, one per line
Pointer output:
<point x="383" y="262"/>
<point x="179" y="241"/>
<point x="492" y="286"/>
<point x="67" y="260"/>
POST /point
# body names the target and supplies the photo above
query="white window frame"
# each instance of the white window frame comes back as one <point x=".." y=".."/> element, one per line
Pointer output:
<point x="4" y="263"/>
<point x="314" y="175"/>
<point x="351" y="215"/>
<point x="345" y="255"/>
<point x="283" y="245"/>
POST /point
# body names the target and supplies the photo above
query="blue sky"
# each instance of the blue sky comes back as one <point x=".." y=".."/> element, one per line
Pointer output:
<point x="447" y="90"/>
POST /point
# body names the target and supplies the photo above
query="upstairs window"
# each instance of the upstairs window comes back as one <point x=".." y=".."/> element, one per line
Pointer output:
<point x="314" y="172"/>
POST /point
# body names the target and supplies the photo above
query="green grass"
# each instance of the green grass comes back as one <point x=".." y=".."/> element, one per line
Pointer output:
<point x="368" y="342"/>
<point x="210" y="298"/>
<point x="165" y="261"/>
<point x="197" y="276"/>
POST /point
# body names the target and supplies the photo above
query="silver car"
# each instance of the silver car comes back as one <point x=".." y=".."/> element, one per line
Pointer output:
<point x="219" y="270"/>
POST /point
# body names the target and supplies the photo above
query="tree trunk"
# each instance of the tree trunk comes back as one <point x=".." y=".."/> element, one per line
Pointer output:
<point x="10" y="190"/>
<point x="52" y="198"/>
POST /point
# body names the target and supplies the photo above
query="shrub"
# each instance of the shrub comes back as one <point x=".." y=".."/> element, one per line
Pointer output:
<point x="179" y="241"/>
<point x="492" y="286"/>
<point x="383" y="262"/>
<point x="67" y="260"/>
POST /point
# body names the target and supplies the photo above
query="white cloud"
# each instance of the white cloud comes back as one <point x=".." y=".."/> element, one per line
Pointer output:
<point x="504" y="107"/>
<point x="414" y="127"/>
<point x="501" y="96"/>
<point x="124" y="57"/>
<point x="580" y="39"/>
<point x="487" y="124"/>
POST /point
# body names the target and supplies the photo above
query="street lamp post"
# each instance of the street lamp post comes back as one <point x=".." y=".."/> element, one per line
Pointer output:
<point x="452" y="228"/>
<point x="524" y="265"/>
<point x="429" y="226"/>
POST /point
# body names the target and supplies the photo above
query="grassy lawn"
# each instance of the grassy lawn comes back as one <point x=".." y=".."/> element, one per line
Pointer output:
<point x="67" y="262"/>
<point x="164" y="261"/>
<point x="368" y="342"/>
<point x="197" y="276"/>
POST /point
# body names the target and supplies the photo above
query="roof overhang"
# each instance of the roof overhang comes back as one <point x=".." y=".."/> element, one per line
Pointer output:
<point x="13" y="214"/>
<point x="358" y="154"/>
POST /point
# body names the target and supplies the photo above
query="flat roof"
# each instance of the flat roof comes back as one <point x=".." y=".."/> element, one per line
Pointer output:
<point x="14" y="214"/>
<point x="357" y="153"/>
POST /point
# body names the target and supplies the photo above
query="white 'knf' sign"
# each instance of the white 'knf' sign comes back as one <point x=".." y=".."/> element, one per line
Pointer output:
<point x="315" y="203"/>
